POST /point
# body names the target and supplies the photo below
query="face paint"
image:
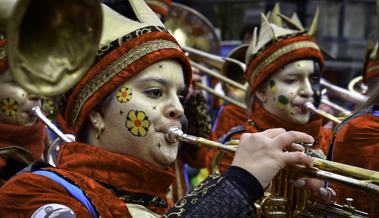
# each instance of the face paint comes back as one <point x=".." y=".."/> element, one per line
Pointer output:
<point x="273" y="86"/>
<point x="121" y="112"/>
<point x="124" y="94"/>
<point x="282" y="101"/>
<point x="137" y="123"/>
<point x="160" y="66"/>
<point x="314" y="80"/>
<point x="9" y="106"/>
<point x="293" y="87"/>
<point x="159" y="145"/>
<point x="154" y="107"/>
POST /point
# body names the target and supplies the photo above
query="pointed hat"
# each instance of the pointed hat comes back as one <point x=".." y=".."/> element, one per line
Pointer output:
<point x="371" y="63"/>
<point x="274" y="48"/>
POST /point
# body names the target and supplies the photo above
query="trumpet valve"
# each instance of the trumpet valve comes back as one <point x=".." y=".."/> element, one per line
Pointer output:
<point x="348" y="209"/>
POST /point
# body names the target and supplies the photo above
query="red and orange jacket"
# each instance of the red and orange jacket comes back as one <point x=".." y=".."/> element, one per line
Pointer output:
<point x="357" y="144"/>
<point x="228" y="116"/>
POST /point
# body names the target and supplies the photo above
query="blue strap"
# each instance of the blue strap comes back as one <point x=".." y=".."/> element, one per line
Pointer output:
<point x="185" y="173"/>
<point x="216" y="120"/>
<point x="72" y="189"/>
<point x="376" y="113"/>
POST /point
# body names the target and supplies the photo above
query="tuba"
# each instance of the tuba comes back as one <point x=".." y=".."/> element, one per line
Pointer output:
<point x="50" y="44"/>
<point x="287" y="201"/>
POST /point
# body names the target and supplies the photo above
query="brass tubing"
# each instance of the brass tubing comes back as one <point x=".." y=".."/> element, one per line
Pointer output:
<point x="354" y="172"/>
<point x="225" y="98"/>
<point x="310" y="107"/>
<point x="218" y="76"/>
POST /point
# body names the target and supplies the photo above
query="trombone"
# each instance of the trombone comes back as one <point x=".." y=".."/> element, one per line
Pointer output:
<point x="272" y="205"/>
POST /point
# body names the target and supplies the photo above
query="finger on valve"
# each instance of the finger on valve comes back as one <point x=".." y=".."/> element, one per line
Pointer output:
<point x="262" y="153"/>
<point x="317" y="187"/>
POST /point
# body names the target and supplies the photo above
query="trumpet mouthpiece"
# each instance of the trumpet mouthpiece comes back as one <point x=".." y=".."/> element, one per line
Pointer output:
<point x="308" y="106"/>
<point x="173" y="134"/>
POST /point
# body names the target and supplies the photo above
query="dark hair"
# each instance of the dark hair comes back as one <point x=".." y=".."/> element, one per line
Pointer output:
<point x="122" y="7"/>
<point x="247" y="28"/>
<point x="82" y="137"/>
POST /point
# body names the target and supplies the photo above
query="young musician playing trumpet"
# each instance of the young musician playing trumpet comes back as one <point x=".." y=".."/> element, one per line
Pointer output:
<point x="22" y="136"/>
<point x="284" y="69"/>
<point x="120" y="112"/>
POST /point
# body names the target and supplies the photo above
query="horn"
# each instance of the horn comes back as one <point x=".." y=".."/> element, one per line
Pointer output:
<point x="343" y="93"/>
<point x="50" y="44"/>
<point x="192" y="29"/>
<point x="357" y="85"/>
<point x="285" y="200"/>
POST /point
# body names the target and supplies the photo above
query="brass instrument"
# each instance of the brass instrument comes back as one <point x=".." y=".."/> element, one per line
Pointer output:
<point x="54" y="147"/>
<point x="190" y="28"/>
<point x="50" y="44"/>
<point x="356" y="85"/>
<point x="342" y="93"/>
<point x="287" y="201"/>
<point x="308" y="106"/>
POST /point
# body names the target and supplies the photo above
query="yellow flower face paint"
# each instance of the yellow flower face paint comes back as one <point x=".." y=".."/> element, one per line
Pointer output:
<point x="137" y="123"/>
<point x="9" y="106"/>
<point x="124" y="94"/>
<point x="272" y="86"/>
<point x="282" y="101"/>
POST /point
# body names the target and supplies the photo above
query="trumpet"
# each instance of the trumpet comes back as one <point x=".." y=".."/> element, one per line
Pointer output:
<point x="308" y="106"/>
<point x="54" y="147"/>
<point x="295" y="202"/>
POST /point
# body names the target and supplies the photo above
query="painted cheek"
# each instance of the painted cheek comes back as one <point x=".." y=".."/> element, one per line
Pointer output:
<point x="9" y="106"/>
<point x="137" y="123"/>
<point x="124" y="95"/>
<point x="273" y="86"/>
<point x="282" y="102"/>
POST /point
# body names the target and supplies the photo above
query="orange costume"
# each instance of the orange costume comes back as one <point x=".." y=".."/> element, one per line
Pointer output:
<point x="228" y="116"/>
<point x="357" y="144"/>
<point x="261" y="120"/>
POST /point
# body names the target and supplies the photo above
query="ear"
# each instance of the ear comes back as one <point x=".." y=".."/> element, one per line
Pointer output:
<point x="97" y="119"/>
<point x="260" y="93"/>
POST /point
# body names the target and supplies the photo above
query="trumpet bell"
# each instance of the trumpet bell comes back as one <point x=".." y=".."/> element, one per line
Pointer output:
<point x="51" y="44"/>
<point x="192" y="29"/>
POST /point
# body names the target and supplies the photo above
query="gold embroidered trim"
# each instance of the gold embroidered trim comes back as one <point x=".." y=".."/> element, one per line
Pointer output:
<point x="372" y="68"/>
<point x="3" y="52"/>
<point x="280" y="52"/>
<point x="157" y="3"/>
<point x="113" y="69"/>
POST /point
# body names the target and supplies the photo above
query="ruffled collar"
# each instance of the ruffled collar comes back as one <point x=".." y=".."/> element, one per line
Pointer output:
<point x="123" y="172"/>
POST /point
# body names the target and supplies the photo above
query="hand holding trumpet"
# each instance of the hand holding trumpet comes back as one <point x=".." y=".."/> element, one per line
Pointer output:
<point x="262" y="154"/>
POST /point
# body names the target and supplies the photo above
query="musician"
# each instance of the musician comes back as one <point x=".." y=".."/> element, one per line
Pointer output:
<point x="119" y="112"/>
<point x="356" y="144"/>
<point x="196" y="110"/>
<point x="22" y="136"/>
<point x="284" y="69"/>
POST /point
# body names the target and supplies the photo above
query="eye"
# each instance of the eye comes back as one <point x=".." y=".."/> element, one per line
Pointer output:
<point x="291" y="81"/>
<point x="314" y="79"/>
<point x="182" y="99"/>
<point x="154" y="93"/>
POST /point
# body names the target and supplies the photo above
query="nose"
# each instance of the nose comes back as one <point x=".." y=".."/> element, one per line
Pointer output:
<point x="174" y="110"/>
<point x="306" y="90"/>
<point x="34" y="97"/>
